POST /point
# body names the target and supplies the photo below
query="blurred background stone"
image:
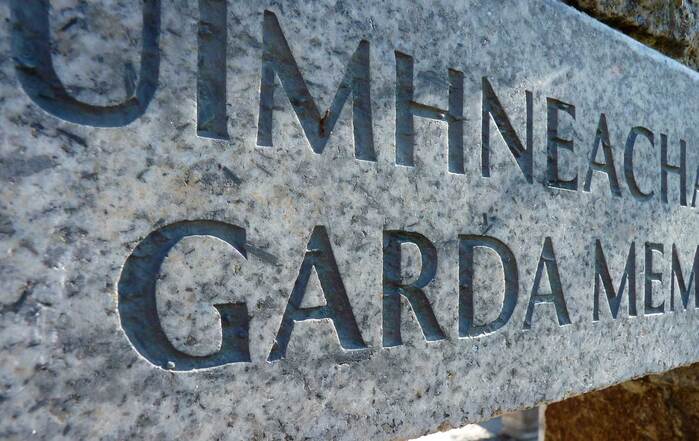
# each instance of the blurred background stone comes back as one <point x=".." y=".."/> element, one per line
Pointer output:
<point x="669" y="26"/>
<point x="655" y="407"/>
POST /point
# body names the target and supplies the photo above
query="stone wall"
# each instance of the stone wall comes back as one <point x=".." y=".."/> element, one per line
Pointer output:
<point x="655" y="407"/>
<point x="670" y="26"/>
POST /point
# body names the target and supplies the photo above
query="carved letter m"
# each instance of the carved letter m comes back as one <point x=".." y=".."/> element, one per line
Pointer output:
<point x="278" y="59"/>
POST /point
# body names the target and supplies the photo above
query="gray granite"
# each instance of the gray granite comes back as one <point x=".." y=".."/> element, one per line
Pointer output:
<point x="141" y="226"/>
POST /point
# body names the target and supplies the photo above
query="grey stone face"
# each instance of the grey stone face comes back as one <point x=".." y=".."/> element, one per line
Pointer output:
<point x="193" y="247"/>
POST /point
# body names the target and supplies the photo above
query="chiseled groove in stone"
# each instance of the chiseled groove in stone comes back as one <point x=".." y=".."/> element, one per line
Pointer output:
<point x="85" y="211"/>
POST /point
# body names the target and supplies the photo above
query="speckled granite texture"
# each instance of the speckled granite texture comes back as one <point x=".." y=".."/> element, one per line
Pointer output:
<point x="169" y="274"/>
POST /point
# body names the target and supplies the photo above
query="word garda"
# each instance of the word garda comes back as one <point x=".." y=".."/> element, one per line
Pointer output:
<point x="139" y="315"/>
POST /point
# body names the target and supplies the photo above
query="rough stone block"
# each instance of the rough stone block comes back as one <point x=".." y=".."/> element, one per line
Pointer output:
<point x="333" y="220"/>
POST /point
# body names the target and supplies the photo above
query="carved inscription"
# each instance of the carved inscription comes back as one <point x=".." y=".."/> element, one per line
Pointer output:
<point x="319" y="255"/>
<point x="611" y="294"/>
<point x="277" y="59"/>
<point x="31" y="49"/>
<point x="139" y="316"/>
<point x="137" y="303"/>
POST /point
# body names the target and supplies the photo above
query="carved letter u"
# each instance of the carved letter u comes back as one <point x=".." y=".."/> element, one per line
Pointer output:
<point x="31" y="47"/>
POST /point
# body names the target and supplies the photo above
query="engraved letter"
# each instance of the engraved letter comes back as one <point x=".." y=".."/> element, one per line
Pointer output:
<point x="651" y="277"/>
<point x="277" y="58"/>
<point x="666" y="168"/>
<point x="696" y="189"/>
<point x="554" y="142"/>
<point x="548" y="260"/>
<point x="393" y="288"/>
<point x="319" y="254"/>
<point x="602" y="275"/>
<point x="31" y="47"/>
<point x="491" y="107"/>
<point x="628" y="161"/>
<point x="211" y="78"/>
<point x="467" y="245"/>
<point x="406" y="109"/>
<point x="681" y="285"/>
<point x="137" y="303"/>
<point x="602" y="138"/>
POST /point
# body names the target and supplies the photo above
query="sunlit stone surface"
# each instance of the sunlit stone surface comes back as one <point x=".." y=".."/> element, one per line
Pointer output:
<point x="333" y="220"/>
